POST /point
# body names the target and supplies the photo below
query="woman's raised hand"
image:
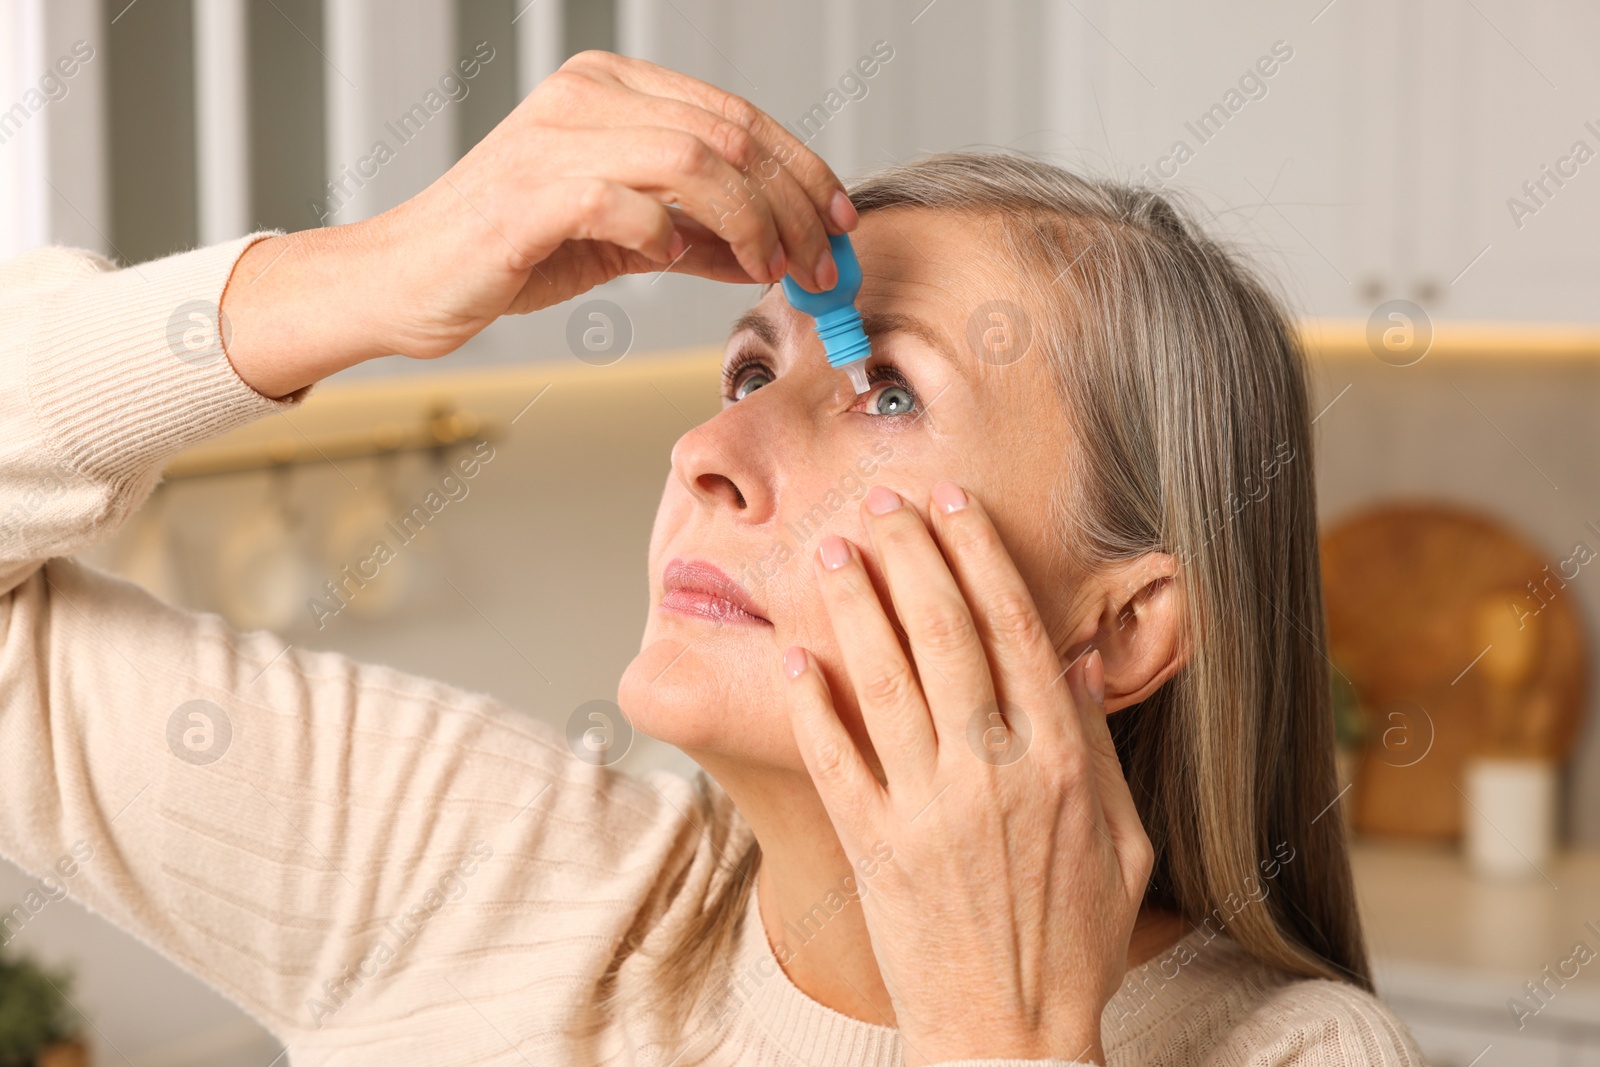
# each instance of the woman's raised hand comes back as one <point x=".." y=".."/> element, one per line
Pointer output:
<point x="571" y="190"/>
<point x="1001" y="928"/>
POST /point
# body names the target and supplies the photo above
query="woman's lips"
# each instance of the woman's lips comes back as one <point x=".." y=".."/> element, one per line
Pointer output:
<point x="695" y="587"/>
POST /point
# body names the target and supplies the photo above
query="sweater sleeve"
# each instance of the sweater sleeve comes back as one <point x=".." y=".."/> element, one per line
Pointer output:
<point x="290" y="826"/>
<point x="104" y="376"/>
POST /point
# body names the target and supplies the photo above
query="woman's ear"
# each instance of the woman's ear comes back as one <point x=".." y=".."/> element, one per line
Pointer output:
<point x="1142" y="631"/>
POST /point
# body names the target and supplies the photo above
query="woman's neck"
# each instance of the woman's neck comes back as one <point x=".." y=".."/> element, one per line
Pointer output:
<point x="810" y="901"/>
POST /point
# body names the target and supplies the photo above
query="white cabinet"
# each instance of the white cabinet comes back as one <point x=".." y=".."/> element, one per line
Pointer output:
<point x="1507" y="152"/>
<point x="1363" y="150"/>
<point x="1378" y="161"/>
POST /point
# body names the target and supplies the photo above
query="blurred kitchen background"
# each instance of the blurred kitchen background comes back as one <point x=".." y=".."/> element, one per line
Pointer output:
<point x="1418" y="175"/>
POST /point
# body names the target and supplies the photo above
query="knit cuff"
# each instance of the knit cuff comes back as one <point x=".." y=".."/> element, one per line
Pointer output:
<point x="127" y="368"/>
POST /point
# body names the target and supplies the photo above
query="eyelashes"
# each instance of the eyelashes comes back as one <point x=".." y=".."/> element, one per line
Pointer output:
<point x="741" y="362"/>
<point x="888" y="372"/>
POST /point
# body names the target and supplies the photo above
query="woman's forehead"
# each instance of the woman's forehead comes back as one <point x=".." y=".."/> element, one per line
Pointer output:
<point x="921" y="245"/>
<point x="940" y="263"/>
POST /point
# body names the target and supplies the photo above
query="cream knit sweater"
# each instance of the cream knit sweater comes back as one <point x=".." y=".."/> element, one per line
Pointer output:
<point x="380" y="868"/>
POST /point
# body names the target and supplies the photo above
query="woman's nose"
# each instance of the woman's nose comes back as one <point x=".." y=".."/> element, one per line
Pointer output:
<point x="726" y="462"/>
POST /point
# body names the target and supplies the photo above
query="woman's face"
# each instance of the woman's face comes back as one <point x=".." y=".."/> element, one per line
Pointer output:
<point x="793" y="452"/>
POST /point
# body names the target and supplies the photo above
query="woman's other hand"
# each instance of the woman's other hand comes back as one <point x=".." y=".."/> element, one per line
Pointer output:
<point x="571" y="190"/>
<point x="1002" y="926"/>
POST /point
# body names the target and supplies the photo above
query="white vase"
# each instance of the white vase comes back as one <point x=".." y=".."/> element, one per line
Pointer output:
<point x="1510" y="817"/>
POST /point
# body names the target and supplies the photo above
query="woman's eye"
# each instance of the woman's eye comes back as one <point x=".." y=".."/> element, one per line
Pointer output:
<point x="750" y="382"/>
<point x="891" y="398"/>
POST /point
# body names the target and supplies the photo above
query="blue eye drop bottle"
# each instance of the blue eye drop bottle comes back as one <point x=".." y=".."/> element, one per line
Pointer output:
<point x="838" y="323"/>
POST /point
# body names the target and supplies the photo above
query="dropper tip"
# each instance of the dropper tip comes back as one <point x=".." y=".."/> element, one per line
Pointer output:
<point x="858" y="376"/>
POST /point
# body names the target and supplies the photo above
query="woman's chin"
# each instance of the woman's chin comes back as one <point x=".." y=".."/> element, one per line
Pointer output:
<point x="699" y="698"/>
<point x="671" y="693"/>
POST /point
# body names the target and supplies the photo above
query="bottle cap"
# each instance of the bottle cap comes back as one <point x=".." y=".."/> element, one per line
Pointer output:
<point x="837" y="321"/>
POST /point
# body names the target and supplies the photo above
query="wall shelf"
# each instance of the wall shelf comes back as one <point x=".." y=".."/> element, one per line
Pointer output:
<point x="375" y="416"/>
<point x="1465" y="342"/>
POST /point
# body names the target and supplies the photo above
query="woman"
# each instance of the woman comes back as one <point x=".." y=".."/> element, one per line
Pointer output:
<point x="919" y="846"/>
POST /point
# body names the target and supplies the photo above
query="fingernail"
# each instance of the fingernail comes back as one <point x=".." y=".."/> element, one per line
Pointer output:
<point x="1094" y="677"/>
<point x="949" y="497"/>
<point x="794" y="661"/>
<point x="827" y="274"/>
<point x="834" y="552"/>
<point x="881" y="499"/>
<point x="843" y="211"/>
<point x="777" y="264"/>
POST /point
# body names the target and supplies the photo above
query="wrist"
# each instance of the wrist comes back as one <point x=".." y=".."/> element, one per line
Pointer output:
<point x="299" y="307"/>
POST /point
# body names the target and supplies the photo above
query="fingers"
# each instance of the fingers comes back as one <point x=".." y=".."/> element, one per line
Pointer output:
<point x="945" y="643"/>
<point x="673" y="166"/>
<point x="1027" y="669"/>
<point x="583" y="232"/>
<point x="705" y="253"/>
<point x="702" y="254"/>
<point x="600" y="210"/>
<point x="813" y="174"/>
<point x="761" y="182"/>
<point x="887" y="691"/>
<point x="569" y="209"/>
<point x="812" y="200"/>
<point x="1117" y="806"/>
<point x="844" y="781"/>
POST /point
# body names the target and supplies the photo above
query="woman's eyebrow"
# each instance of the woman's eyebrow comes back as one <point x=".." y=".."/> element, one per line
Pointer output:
<point x="881" y="322"/>
<point x="759" y="323"/>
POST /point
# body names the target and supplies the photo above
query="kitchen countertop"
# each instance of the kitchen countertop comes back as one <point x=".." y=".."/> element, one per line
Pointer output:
<point x="1441" y="937"/>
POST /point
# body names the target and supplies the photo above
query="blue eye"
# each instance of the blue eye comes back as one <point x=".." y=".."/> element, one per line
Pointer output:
<point x="892" y="399"/>
<point x="745" y="374"/>
<point x="750" y="382"/>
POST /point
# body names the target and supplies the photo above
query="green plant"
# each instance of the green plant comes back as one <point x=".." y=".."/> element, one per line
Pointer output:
<point x="1349" y="721"/>
<point x="34" y="1012"/>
